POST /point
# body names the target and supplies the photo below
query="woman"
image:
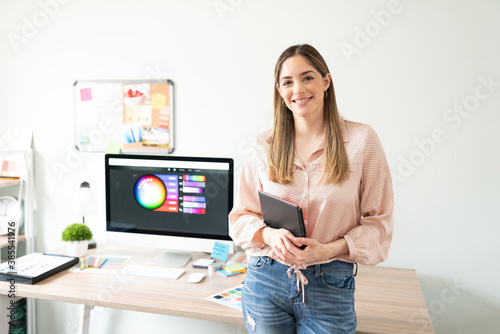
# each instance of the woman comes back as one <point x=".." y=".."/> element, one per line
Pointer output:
<point x="337" y="172"/>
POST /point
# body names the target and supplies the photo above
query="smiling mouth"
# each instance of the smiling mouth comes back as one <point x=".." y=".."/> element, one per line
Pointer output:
<point x="302" y="100"/>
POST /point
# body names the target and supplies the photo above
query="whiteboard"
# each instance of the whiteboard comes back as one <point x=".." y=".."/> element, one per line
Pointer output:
<point x="134" y="115"/>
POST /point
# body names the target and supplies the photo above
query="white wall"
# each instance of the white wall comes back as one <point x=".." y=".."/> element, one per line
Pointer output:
<point x="403" y="74"/>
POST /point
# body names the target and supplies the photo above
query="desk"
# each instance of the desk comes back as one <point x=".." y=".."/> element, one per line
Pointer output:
<point x="388" y="300"/>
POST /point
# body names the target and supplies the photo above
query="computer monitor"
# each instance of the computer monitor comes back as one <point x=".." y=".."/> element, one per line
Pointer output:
<point x="179" y="204"/>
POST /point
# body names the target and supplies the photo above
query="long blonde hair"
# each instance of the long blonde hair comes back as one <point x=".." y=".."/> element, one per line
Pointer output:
<point x="280" y="156"/>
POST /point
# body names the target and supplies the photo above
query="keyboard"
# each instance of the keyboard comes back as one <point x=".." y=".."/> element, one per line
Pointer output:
<point x="152" y="271"/>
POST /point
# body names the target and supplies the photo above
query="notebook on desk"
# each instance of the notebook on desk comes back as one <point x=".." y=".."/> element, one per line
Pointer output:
<point x="278" y="213"/>
<point x="35" y="267"/>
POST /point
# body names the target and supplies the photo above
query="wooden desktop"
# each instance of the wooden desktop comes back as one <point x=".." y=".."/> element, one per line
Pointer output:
<point x="388" y="300"/>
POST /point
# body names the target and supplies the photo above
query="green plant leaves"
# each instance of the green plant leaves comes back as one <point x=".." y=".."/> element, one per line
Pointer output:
<point x="77" y="232"/>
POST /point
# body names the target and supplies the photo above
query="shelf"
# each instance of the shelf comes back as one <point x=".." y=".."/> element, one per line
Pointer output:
<point x="4" y="240"/>
<point x="16" y="161"/>
<point x="5" y="182"/>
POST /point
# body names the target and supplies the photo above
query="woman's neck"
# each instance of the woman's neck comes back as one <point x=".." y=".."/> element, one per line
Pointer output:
<point x="306" y="129"/>
<point x="307" y="138"/>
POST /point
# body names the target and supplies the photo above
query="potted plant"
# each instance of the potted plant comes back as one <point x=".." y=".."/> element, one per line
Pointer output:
<point x="77" y="235"/>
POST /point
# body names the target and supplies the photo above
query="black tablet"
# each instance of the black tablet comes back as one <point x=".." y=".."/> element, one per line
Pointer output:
<point x="278" y="213"/>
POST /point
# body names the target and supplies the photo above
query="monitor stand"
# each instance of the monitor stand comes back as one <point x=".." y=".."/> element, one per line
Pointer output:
<point x="171" y="259"/>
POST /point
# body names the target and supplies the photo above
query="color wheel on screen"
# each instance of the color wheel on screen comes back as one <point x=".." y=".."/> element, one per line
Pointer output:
<point x="150" y="192"/>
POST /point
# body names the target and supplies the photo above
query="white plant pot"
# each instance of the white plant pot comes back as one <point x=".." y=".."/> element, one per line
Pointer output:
<point x="77" y="248"/>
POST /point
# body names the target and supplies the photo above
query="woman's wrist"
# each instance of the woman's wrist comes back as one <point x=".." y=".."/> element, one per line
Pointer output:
<point x="262" y="235"/>
<point x="265" y="234"/>
<point x="337" y="248"/>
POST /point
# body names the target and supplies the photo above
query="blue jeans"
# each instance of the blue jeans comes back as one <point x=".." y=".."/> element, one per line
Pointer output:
<point x="273" y="304"/>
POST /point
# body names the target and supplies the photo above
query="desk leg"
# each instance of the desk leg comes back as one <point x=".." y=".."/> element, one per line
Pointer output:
<point x="30" y="309"/>
<point x="4" y="323"/>
<point x="85" y="320"/>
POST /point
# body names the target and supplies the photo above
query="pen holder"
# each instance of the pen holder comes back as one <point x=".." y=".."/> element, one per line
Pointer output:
<point x="213" y="267"/>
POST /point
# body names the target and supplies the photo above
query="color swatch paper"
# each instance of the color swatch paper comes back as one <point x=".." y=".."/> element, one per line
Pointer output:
<point x="231" y="297"/>
<point x="108" y="264"/>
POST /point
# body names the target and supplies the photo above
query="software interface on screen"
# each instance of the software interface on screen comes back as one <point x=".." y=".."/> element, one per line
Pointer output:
<point x="171" y="197"/>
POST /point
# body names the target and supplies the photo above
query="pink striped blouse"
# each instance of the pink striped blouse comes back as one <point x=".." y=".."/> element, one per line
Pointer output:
<point x="360" y="210"/>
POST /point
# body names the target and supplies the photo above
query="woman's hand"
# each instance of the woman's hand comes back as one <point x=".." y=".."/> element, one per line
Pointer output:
<point x="281" y="241"/>
<point x="288" y="248"/>
<point x="316" y="251"/>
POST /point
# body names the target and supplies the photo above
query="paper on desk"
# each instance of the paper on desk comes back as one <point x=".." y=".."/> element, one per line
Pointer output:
<point x="113" y="264"/>
<point x="230" y="297"/>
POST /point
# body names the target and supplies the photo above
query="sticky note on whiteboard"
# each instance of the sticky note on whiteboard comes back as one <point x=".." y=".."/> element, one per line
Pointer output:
<point x="86" y="94"/>
<point x="158" y="101"/>
<point x="220" y="251"/>
<point x="113" y="147"/>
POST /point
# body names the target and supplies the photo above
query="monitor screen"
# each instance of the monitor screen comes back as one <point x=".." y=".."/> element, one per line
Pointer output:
<point x="167" y="201"/>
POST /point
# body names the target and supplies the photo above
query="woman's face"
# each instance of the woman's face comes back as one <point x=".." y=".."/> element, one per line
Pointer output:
<point x="302" y="87"/>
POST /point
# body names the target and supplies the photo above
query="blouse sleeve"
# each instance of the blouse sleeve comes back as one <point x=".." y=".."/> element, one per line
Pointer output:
<point x="369" y="242"/>
<point x="246" y="218"/>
